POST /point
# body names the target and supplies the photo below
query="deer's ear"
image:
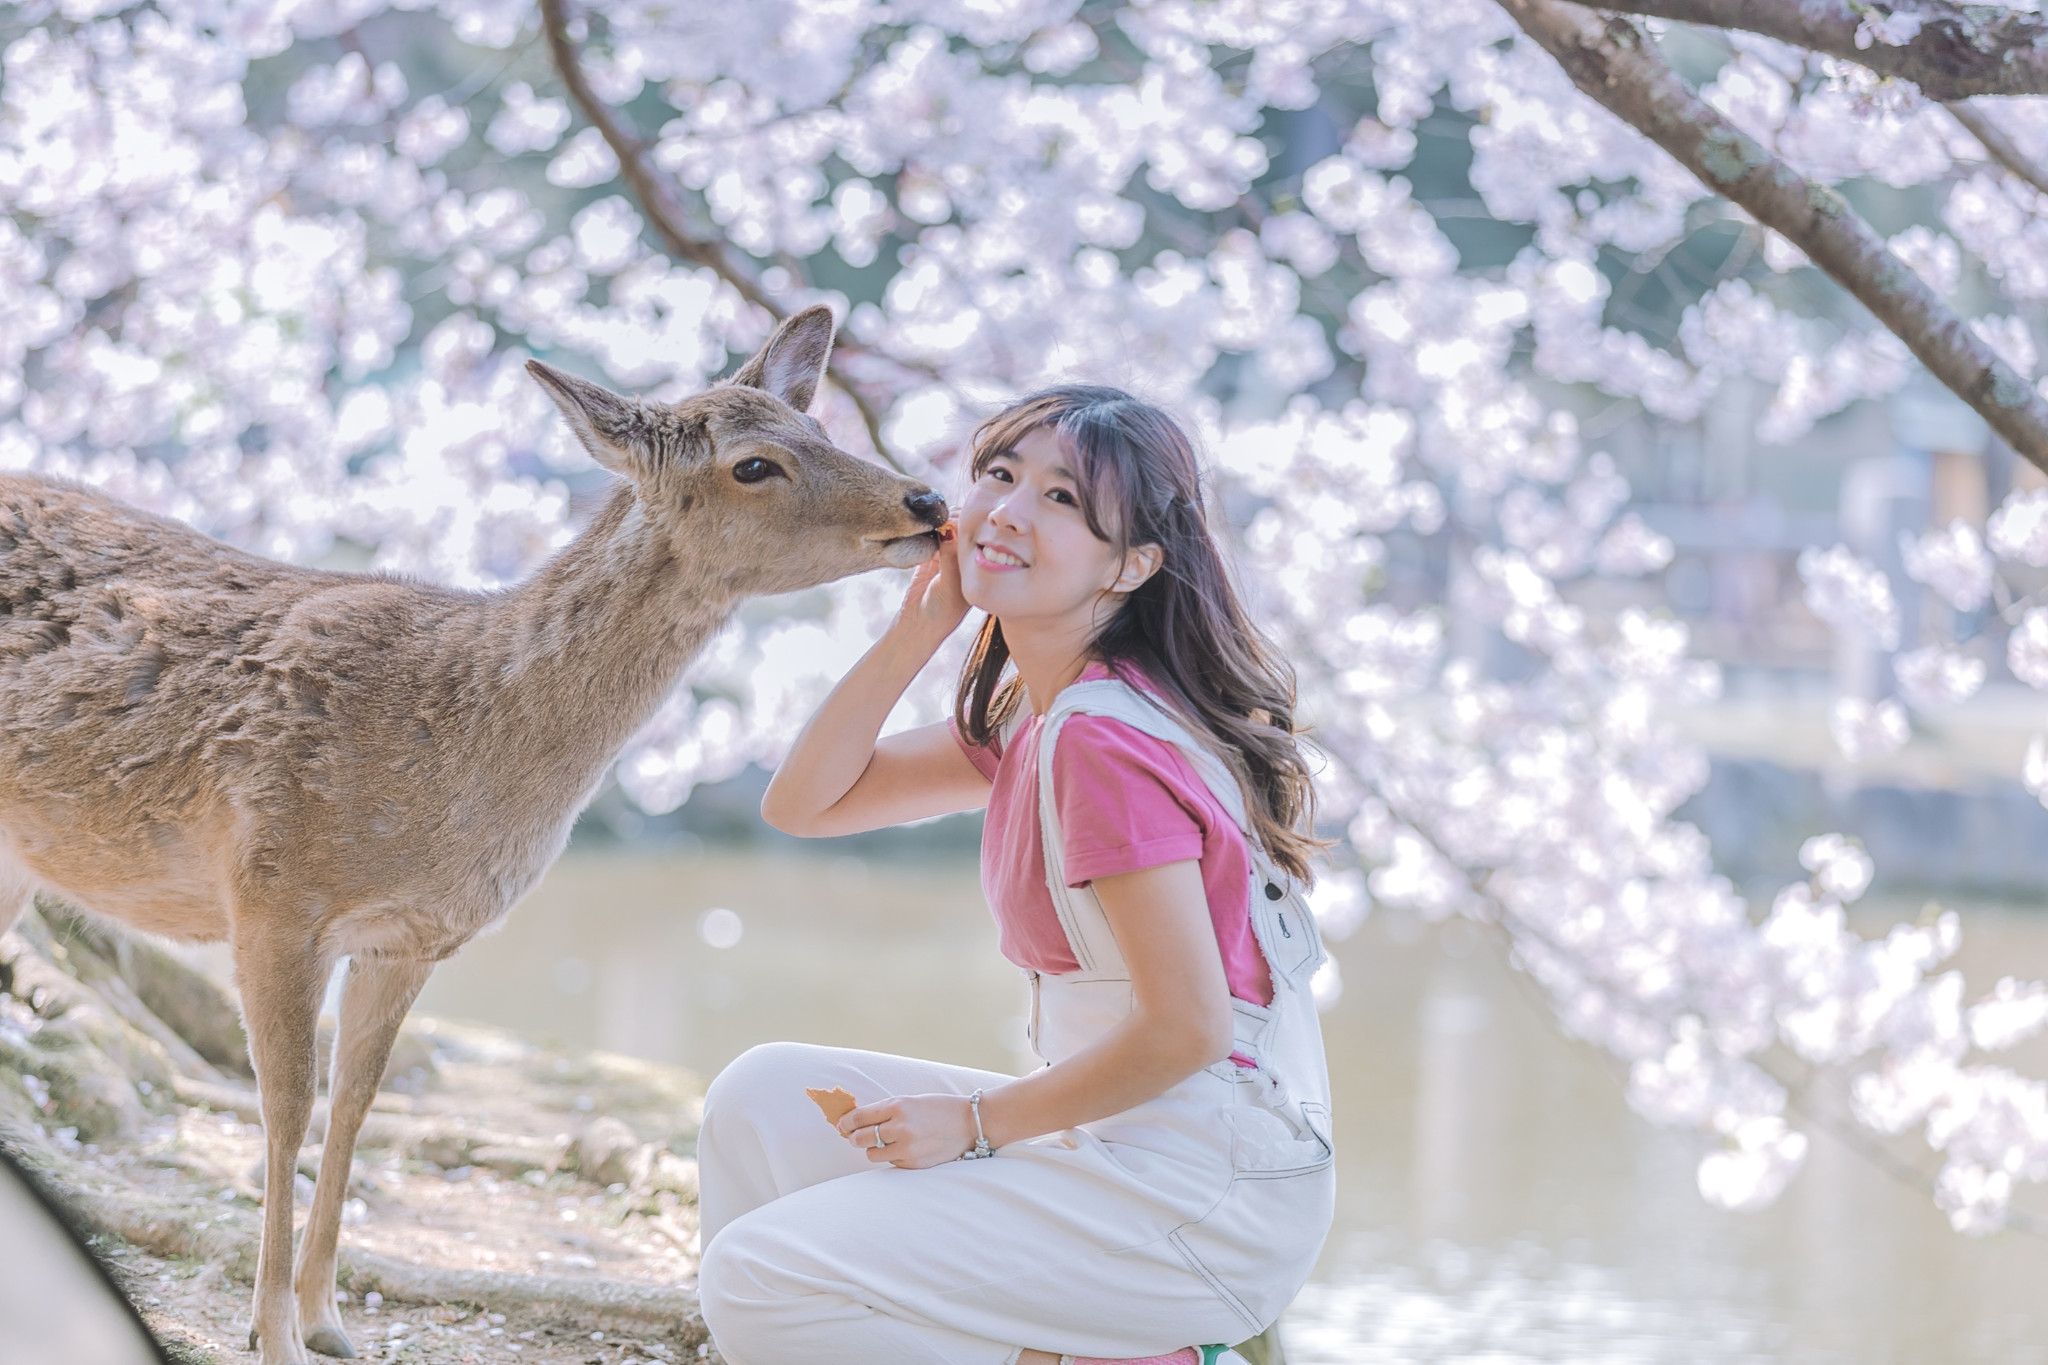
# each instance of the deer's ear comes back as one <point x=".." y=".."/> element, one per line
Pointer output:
<point x="610" y="427"/>
<point x="793" y="361"/>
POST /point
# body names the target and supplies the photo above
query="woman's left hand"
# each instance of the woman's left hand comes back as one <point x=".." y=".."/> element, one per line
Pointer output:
<point x="917" y="1131"/>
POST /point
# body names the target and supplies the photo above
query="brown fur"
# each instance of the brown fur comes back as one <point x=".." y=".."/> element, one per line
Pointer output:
<point x="206" y="744"/>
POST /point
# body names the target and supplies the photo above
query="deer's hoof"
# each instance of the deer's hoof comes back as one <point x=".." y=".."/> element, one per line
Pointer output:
<point x="331" y="1341"/>
<point x="295" y="1354"/>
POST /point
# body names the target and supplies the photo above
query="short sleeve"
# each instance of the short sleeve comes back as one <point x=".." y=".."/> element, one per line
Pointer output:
<point x="984" y="757"/>
<point x="1124" y="800"/>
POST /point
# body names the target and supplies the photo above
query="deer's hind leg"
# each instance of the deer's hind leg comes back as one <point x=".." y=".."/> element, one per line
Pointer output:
<point x="374" y="998"/>
<point x="281" y="974"/>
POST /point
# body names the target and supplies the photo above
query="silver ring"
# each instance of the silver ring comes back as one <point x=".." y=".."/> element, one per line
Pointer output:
<point x="878" y="1144"/>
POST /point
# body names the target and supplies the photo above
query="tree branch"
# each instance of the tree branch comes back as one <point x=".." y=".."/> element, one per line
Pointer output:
<point x="669" y="217"/>
<point x="663" y="212"/>
<point x="1614" y="62"/>
<point x="1960" y="50"/>
<point x="2001" y="147"/>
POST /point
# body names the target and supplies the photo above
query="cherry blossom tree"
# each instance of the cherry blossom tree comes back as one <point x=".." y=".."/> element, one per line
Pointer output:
<point x="272" y="266"/>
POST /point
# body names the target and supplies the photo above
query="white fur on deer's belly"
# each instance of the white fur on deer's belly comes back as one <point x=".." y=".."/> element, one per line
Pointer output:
<point x="435" y="908"/>
<point x="154" y="879"/>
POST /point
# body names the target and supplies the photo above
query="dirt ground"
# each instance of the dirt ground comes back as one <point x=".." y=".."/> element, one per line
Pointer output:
<point x="203" y="1317"/>
<point x="513" y="1116"/>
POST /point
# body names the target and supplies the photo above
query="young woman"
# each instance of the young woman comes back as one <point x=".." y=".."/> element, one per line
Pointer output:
<point x="1164" y="1180"/>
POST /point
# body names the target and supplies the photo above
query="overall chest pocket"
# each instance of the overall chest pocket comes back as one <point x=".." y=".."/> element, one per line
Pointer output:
<point x="1286" y="930"/>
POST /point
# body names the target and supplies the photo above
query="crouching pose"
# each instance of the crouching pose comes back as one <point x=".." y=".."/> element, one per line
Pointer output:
<point x="1164" y="1181"/>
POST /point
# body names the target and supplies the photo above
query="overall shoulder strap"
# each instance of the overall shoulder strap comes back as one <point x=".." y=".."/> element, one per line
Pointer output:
<point x="1088" y="932"/>
<point x="1087" y="928"/>
<point x="1291" y="945"/>
<point x="1118" y="700"/>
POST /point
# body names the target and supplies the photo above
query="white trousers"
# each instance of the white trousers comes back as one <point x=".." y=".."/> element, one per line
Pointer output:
<point x="1073" y="1243"/>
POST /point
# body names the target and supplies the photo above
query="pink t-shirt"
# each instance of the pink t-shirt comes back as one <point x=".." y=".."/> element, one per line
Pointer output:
<point x="1126" y="801"/>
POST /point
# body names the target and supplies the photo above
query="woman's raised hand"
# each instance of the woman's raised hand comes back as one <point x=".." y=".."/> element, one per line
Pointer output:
<point x="912" y="1131"/>
<point x="934" y="607"/>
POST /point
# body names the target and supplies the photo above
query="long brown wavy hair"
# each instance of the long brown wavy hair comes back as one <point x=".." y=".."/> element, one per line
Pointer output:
<point x="1184" y="629"/>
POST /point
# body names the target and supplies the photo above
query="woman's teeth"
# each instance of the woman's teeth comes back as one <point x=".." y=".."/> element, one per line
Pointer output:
<point x="1002" y="557"/>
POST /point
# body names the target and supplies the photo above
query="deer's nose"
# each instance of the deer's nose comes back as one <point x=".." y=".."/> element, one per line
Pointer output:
<point x="927" y="506"/>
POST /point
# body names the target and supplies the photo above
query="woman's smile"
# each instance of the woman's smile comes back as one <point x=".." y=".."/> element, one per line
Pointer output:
<point x="995" y="559"/>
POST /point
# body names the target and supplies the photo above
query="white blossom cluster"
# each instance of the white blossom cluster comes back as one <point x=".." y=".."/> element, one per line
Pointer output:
<point x="1953" y="562"/>
<point x="272" y="266"/>
<point x="1850" y="593"/>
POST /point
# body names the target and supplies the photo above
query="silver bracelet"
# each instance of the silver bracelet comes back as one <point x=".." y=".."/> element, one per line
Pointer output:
<point x="981" y="1147"/>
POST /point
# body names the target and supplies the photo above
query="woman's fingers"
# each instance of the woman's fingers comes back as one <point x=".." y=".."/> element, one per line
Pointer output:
<point x="880" y="1140"/>
<point x="933" y="600"/>
<point x="867" y="1116"/>
<point x="945" y="594"/>
<point x="921" y="577"/>
<point x="873" y="1128"/>
<point x="900" y="1131"/>
<point x="926" y="582"/>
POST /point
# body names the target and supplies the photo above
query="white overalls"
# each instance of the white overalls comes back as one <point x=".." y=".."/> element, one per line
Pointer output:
<point x="1194" y="1217"/>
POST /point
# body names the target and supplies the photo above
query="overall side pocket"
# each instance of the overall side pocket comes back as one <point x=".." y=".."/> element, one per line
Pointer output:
<point x="1265" y="1144"/>
<point x="1256" y="1248"/>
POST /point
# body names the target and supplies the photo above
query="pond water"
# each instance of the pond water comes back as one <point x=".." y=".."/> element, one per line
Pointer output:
<point x="1498" y="1203"/>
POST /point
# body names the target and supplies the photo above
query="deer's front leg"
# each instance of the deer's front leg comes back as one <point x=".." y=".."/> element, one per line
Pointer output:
<point x="280" y="973"/>
<point x="374" y="998"/>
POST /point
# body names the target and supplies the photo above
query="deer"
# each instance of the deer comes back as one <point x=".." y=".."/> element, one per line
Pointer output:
<point x="313" y="765"/>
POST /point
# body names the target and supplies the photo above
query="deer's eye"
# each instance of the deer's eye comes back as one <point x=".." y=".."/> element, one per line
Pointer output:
<point x="754" y="469"/>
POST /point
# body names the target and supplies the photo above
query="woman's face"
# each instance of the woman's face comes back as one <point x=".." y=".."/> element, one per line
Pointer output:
<point x="1026" y="552"/>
